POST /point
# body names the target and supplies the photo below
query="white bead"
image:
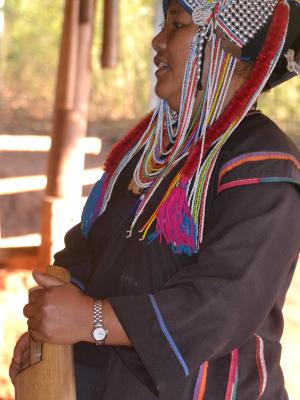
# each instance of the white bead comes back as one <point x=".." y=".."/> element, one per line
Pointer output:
<point x="200" y="15"/>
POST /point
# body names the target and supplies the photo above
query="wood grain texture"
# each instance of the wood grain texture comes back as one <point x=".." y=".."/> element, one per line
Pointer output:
<point x="52" y="378"/>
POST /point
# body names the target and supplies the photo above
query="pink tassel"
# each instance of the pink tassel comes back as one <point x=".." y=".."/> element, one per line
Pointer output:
<point x="174" y="221"/>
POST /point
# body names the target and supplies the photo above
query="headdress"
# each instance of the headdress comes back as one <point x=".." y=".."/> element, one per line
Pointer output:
<point x="198" y="139"/>
<point x="246" y="23"/>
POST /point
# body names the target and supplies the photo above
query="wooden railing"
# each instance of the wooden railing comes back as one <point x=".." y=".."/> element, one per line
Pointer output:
<point x="13" y="252"/>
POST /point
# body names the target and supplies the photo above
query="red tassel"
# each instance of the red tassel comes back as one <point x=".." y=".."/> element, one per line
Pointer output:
<point x="125" y="144"/>
<point x="243" y="96"/>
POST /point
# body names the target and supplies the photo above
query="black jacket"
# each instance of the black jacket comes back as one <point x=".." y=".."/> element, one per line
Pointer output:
<point x="218" y="312"/>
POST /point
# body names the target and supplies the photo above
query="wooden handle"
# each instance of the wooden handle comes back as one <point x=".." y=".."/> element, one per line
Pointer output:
<point x="59" y="272"/>
<point x="35" y="348"/>
<point x="51" y="372"/>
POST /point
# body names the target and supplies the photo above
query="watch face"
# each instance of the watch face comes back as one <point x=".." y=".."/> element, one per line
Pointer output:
<point x="99" y="333"/>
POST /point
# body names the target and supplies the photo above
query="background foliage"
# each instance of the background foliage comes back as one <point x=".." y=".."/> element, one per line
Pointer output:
<point x="31" y="47"/>
<point x="282" y="105"/>
<point x="31" y="37"/>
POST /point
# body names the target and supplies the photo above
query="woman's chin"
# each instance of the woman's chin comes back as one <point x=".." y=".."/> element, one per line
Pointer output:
<point x="173" y="101"/>
<point x="160" y="91"/>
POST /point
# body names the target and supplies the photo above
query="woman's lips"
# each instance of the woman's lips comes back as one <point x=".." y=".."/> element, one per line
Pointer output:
<point x="162" y="65"/>
<point x="162" y="68"/>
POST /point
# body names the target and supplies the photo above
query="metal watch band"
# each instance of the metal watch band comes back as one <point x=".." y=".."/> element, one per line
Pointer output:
<point x="98" y="323"/>
<point x="98" y="317"/>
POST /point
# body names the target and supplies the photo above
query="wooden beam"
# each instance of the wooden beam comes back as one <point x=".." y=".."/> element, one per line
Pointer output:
<point x="29" y="240"/>
<point x="34" y="183"/>
<point x="32" y="143"/>
<point x="110" y="45"/>
<point x="19" y="257"/>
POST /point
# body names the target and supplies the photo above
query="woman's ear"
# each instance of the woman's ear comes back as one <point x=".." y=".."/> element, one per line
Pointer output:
<point x="227" y="45"/>
<point x="243" y="68"/>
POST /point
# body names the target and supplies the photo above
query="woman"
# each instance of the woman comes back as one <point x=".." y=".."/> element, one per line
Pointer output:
<point x="189" y="253"/>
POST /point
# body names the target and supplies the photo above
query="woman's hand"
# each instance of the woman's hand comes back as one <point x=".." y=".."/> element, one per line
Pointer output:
<point x="58" y="312"/>
<point x="20" y="358"/>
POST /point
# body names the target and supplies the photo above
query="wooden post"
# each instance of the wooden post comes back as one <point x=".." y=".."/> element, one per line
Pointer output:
<point x="110" y="46"/>
<point x="66" y="158"/>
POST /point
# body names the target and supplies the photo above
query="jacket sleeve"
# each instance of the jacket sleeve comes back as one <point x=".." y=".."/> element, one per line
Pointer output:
<point x="76" y="257"/>
<point x="212" y="307"/>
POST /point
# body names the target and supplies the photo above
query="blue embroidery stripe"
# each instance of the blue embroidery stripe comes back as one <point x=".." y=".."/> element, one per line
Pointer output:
<point x="168" y="336"/>
<point x="276" y="179"/>
<point x="78" y="283"/>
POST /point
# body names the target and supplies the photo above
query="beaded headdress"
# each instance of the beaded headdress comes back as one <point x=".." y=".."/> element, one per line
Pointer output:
<point x="241" y="20"/>
<point x="196" y="139"/>
<point x="246" y="23"/>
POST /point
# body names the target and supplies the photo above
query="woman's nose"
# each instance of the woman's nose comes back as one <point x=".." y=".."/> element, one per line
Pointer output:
<point x="159" y="41"/>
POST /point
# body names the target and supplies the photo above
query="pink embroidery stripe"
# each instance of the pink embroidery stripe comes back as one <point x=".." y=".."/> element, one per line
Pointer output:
<point x="232" y="378"/>
<point x="258" y="156"/>
<point x="261" y="366"/>
<point x="240" y="182"/>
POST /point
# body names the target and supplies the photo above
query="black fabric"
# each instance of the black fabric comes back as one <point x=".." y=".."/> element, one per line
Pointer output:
<point x="210" y="303"/>
<point x="255" y="144"/>
<point x="87" y="380"/>
<point x="280" y="73"/>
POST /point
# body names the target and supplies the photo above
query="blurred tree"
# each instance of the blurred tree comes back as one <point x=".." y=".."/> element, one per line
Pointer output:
<point x="282" y="105"/>
<point x="32" y="38"/>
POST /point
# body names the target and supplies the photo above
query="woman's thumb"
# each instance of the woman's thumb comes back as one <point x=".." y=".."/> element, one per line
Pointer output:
<point x="46" y="280"/>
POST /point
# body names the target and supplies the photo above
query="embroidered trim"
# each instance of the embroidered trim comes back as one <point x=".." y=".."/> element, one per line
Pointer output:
<point x="261" y="366"/>
<point x="257" y="156"/>
<point x="93" y="205"/>
<point x="167" y="335"/>
<point x="201" y="382"/>
<point x="79" y="284"/>
<point x="253" y="181"/>
<point x="233" y="376"/>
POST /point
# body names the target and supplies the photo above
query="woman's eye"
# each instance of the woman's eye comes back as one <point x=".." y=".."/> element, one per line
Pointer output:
<point x="177" y="25"/>
<point x="174" y="25"/>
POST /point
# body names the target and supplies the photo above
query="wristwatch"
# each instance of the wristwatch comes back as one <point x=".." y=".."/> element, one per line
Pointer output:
<point x="99" y="333"/>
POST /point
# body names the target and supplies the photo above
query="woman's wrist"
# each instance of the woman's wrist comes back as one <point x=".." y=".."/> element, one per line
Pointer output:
<point x="116" y="335"/>
<point x="87" y="326"/>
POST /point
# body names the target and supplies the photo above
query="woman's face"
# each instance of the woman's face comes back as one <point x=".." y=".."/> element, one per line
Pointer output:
<point x="173" y="46"/>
